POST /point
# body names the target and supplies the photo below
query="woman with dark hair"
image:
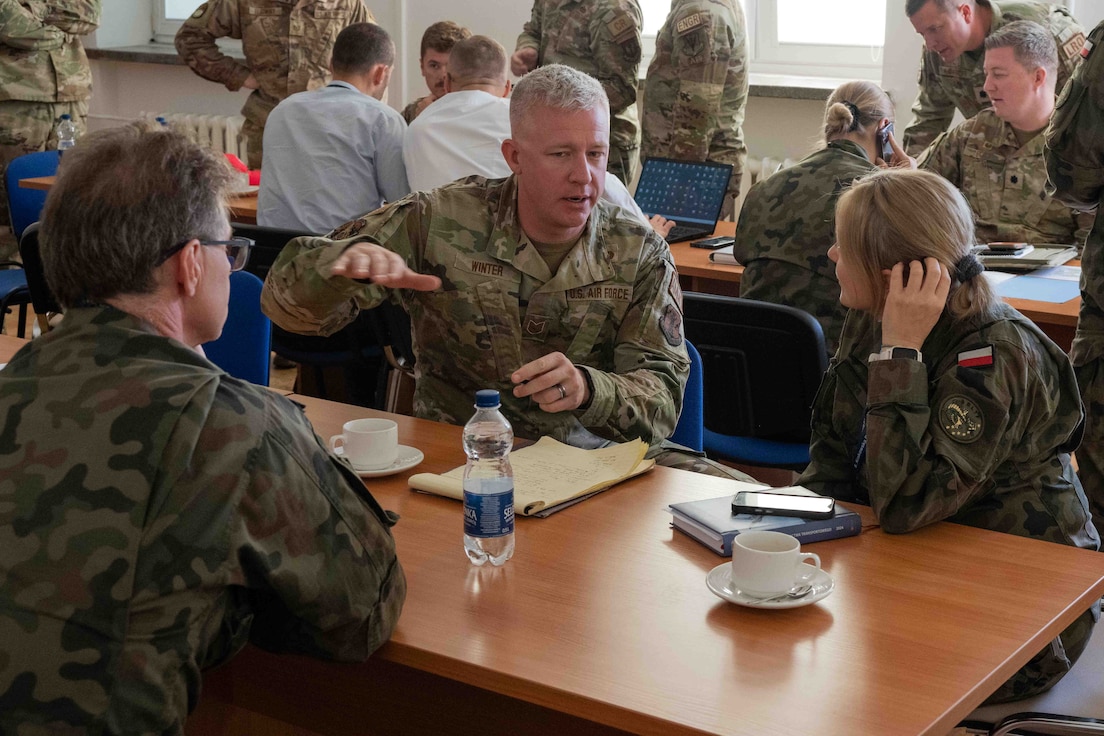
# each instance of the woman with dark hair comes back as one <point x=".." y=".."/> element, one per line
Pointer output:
<point x="943" y="402"/>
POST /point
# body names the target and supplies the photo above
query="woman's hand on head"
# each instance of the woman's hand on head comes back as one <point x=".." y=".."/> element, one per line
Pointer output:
<point x="914" y="302"/>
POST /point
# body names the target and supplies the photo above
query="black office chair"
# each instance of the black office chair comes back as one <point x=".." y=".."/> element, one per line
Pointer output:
<point x="349" y="366"/>
<point x="42" y="299"/>
<point x="762" y="364"/>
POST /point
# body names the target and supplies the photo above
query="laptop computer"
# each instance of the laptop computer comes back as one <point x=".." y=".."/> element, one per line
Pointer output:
<point x="689" y="192"/>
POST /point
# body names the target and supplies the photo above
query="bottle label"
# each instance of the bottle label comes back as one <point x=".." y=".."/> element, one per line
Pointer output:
<point x="489" y="514"/>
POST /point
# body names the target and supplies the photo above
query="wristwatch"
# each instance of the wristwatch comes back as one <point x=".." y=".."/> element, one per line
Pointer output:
<point x="892" y="352"/>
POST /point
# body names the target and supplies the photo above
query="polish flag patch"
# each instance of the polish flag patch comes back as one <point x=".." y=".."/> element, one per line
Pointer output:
<point x="1086" y="49"/>
<point x="976" y="358"/>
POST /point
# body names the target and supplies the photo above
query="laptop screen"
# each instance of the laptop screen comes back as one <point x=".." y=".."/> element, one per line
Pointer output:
<point x="689" y="192"/>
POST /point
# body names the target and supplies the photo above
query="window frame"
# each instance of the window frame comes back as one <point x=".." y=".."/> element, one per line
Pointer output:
<point x="164" y="29"/>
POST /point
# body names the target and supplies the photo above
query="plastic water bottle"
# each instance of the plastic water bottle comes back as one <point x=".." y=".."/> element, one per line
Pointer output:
<point x="488" y="483"/>
<point x="66" y="134"/>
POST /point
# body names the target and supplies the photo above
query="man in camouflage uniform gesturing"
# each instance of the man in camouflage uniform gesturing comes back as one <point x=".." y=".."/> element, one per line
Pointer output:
<point x="951" y="72"/>
<point x="156" y="514"/>
<point x="531" y="285"/>
<point x="44" y="74"/>
<point x="600" y="38"/>
<point x="1075" y="162"/>
<point x="996" y="157"/>
<point x="287" y="50"/>
<point x="697" y="87"/>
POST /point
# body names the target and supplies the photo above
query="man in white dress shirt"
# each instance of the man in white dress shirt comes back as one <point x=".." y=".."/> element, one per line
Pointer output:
<point x="335" y="153"/>
<point x="461" y="133"/>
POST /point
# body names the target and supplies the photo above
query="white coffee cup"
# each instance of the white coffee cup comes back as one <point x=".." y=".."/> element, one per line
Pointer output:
<point x="770" y="563"/>
<point x="369" y="444"/>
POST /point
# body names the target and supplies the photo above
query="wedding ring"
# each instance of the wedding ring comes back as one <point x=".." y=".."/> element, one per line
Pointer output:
<point x="563" y="391"/>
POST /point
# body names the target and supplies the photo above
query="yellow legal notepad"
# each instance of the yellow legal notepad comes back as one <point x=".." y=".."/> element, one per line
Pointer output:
<point x="550" y="475"/>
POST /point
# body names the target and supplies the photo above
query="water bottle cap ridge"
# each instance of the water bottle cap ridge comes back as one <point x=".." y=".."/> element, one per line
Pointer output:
<point x="486" y="398"/>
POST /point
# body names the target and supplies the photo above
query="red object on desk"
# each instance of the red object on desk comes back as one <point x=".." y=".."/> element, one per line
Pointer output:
<point x="237" y="163"/>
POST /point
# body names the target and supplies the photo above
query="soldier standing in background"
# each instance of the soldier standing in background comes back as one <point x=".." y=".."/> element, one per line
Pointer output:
<point x="697" y="87"/>
<point x="44" y="74"/>
<point x="600" y="38"/>
<point x="433" y="59"/>
<point x="287" y="50"/>
<point x="1075" y="163"/>
<point x="951" y="71"/>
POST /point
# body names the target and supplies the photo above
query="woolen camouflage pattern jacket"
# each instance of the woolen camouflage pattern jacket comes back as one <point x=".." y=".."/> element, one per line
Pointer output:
<point x="1004" y="183"/>
<point x="41" y="56"/>
<point x="1075" y="162"/>
<point x="614" y="308"/>
<point x="287" y="46"/>
<point x="155" y="514"/>
<point x="787" y="225"/>
<point x="959" y="84"/>
<point x="697" y="86"/>
<point x="986" y="446"/>
<point x="600" y="38"/>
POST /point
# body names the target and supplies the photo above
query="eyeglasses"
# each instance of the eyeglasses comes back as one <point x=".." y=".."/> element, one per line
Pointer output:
<point x="237" y="250"/>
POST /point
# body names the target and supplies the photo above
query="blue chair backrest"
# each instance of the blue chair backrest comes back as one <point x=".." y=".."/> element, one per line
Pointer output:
<point x="243" y="349"/>
<point x="688" y="432"/>
<point x="25" y="205"/>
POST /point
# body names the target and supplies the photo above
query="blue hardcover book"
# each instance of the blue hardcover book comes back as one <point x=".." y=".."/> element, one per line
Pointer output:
<point x="712" y="523"/>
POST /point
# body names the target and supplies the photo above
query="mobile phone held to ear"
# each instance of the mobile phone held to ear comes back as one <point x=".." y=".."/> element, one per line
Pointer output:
<point x="783" y="504"/>
<point x="883" y="142"/>
<point x="713" y="243"/>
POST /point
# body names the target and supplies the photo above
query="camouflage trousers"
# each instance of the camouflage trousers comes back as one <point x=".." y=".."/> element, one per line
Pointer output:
<point x="1049" y="666"/>
<point x="1090" y="455"/>
<point x="27" y="127"/>
<point x="253" y="136"/>
<point x="672" y="455"/>
<point x="623" y="162"/>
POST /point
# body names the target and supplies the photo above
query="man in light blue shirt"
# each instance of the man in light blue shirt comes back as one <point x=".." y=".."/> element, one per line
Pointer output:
<point x="335" y="153"/>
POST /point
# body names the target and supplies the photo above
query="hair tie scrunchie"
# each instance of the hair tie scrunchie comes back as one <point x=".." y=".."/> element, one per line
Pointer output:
<point x="855" y="114"/>
<point x="967" y="268"/>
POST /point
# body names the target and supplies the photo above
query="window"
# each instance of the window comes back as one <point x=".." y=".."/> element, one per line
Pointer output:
<point x="802" y="37"/>
<point x="168" y="15"/>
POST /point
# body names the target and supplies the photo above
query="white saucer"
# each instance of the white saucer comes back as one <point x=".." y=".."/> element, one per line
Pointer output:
<point x="407" y="458"/>
<point x="719" y="581"/>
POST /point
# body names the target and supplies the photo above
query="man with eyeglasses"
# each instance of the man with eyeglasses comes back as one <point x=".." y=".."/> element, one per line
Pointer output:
<point x="156" y="513"/>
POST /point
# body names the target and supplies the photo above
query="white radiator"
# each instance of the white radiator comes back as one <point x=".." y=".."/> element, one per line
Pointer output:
<point x="218" y="132"/>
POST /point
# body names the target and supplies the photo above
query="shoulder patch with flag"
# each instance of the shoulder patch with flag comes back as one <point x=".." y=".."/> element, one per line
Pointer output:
<point x="976" y="358"/>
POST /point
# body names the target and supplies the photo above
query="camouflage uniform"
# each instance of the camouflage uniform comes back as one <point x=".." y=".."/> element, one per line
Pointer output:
<point x="410" y="112"/>
<point x="157" y="514"/>
<point x="788" y="223"/>
<point x="602" y="39"/>
<point x="945" y="87"/>
<point x="985" y="446"/>
<point x="1004" y="183"/>
<point x="1075" y="162"/>
<point x="697" y="87"/>
<point x="287" y="50"/>
<point x="44" y="74"/>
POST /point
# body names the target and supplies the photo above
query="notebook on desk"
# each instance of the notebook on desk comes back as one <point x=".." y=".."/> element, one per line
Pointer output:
<point x="1039" y="256"/>
<point x="689" y="192"/>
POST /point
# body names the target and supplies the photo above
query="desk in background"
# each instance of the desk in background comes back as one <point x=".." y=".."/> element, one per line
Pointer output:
<point x="602" y="621"/>
<point x="698" y="273"/>
<point x="242" y="209"/>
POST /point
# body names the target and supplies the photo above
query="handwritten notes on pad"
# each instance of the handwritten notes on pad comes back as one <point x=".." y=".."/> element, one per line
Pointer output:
<point x="549" y="474"/>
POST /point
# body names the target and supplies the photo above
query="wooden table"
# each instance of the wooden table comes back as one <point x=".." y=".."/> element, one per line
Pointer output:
<point x="242" y="209"/>
<point x="603" y="621"/>
<point x="698" y="273"/>
<point x="9" y="346"/>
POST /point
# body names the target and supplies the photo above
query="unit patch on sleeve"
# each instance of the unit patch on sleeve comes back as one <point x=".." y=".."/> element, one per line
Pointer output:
<point x="961" y="419"/>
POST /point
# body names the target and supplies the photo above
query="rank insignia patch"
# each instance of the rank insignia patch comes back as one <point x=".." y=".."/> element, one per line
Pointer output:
<point x="961" y="419"/>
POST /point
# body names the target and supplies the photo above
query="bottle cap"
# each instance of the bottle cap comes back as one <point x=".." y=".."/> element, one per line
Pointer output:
<point x="486" y="398"/>
<point x="65" y="116"/>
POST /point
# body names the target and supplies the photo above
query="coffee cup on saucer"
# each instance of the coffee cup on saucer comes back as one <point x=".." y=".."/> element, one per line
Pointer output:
<point x="368" y="444"/>
<point x="770" y="563"/>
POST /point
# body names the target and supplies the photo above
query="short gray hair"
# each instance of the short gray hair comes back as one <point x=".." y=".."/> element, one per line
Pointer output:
<point x="1031" y="44"/>
<point x="123" y="197"/>
<point x="558" y="87"/>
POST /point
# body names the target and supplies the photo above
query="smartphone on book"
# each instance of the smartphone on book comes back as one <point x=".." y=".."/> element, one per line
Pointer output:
<point x="713" y="243"/>
<point x="783" y="504"/>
